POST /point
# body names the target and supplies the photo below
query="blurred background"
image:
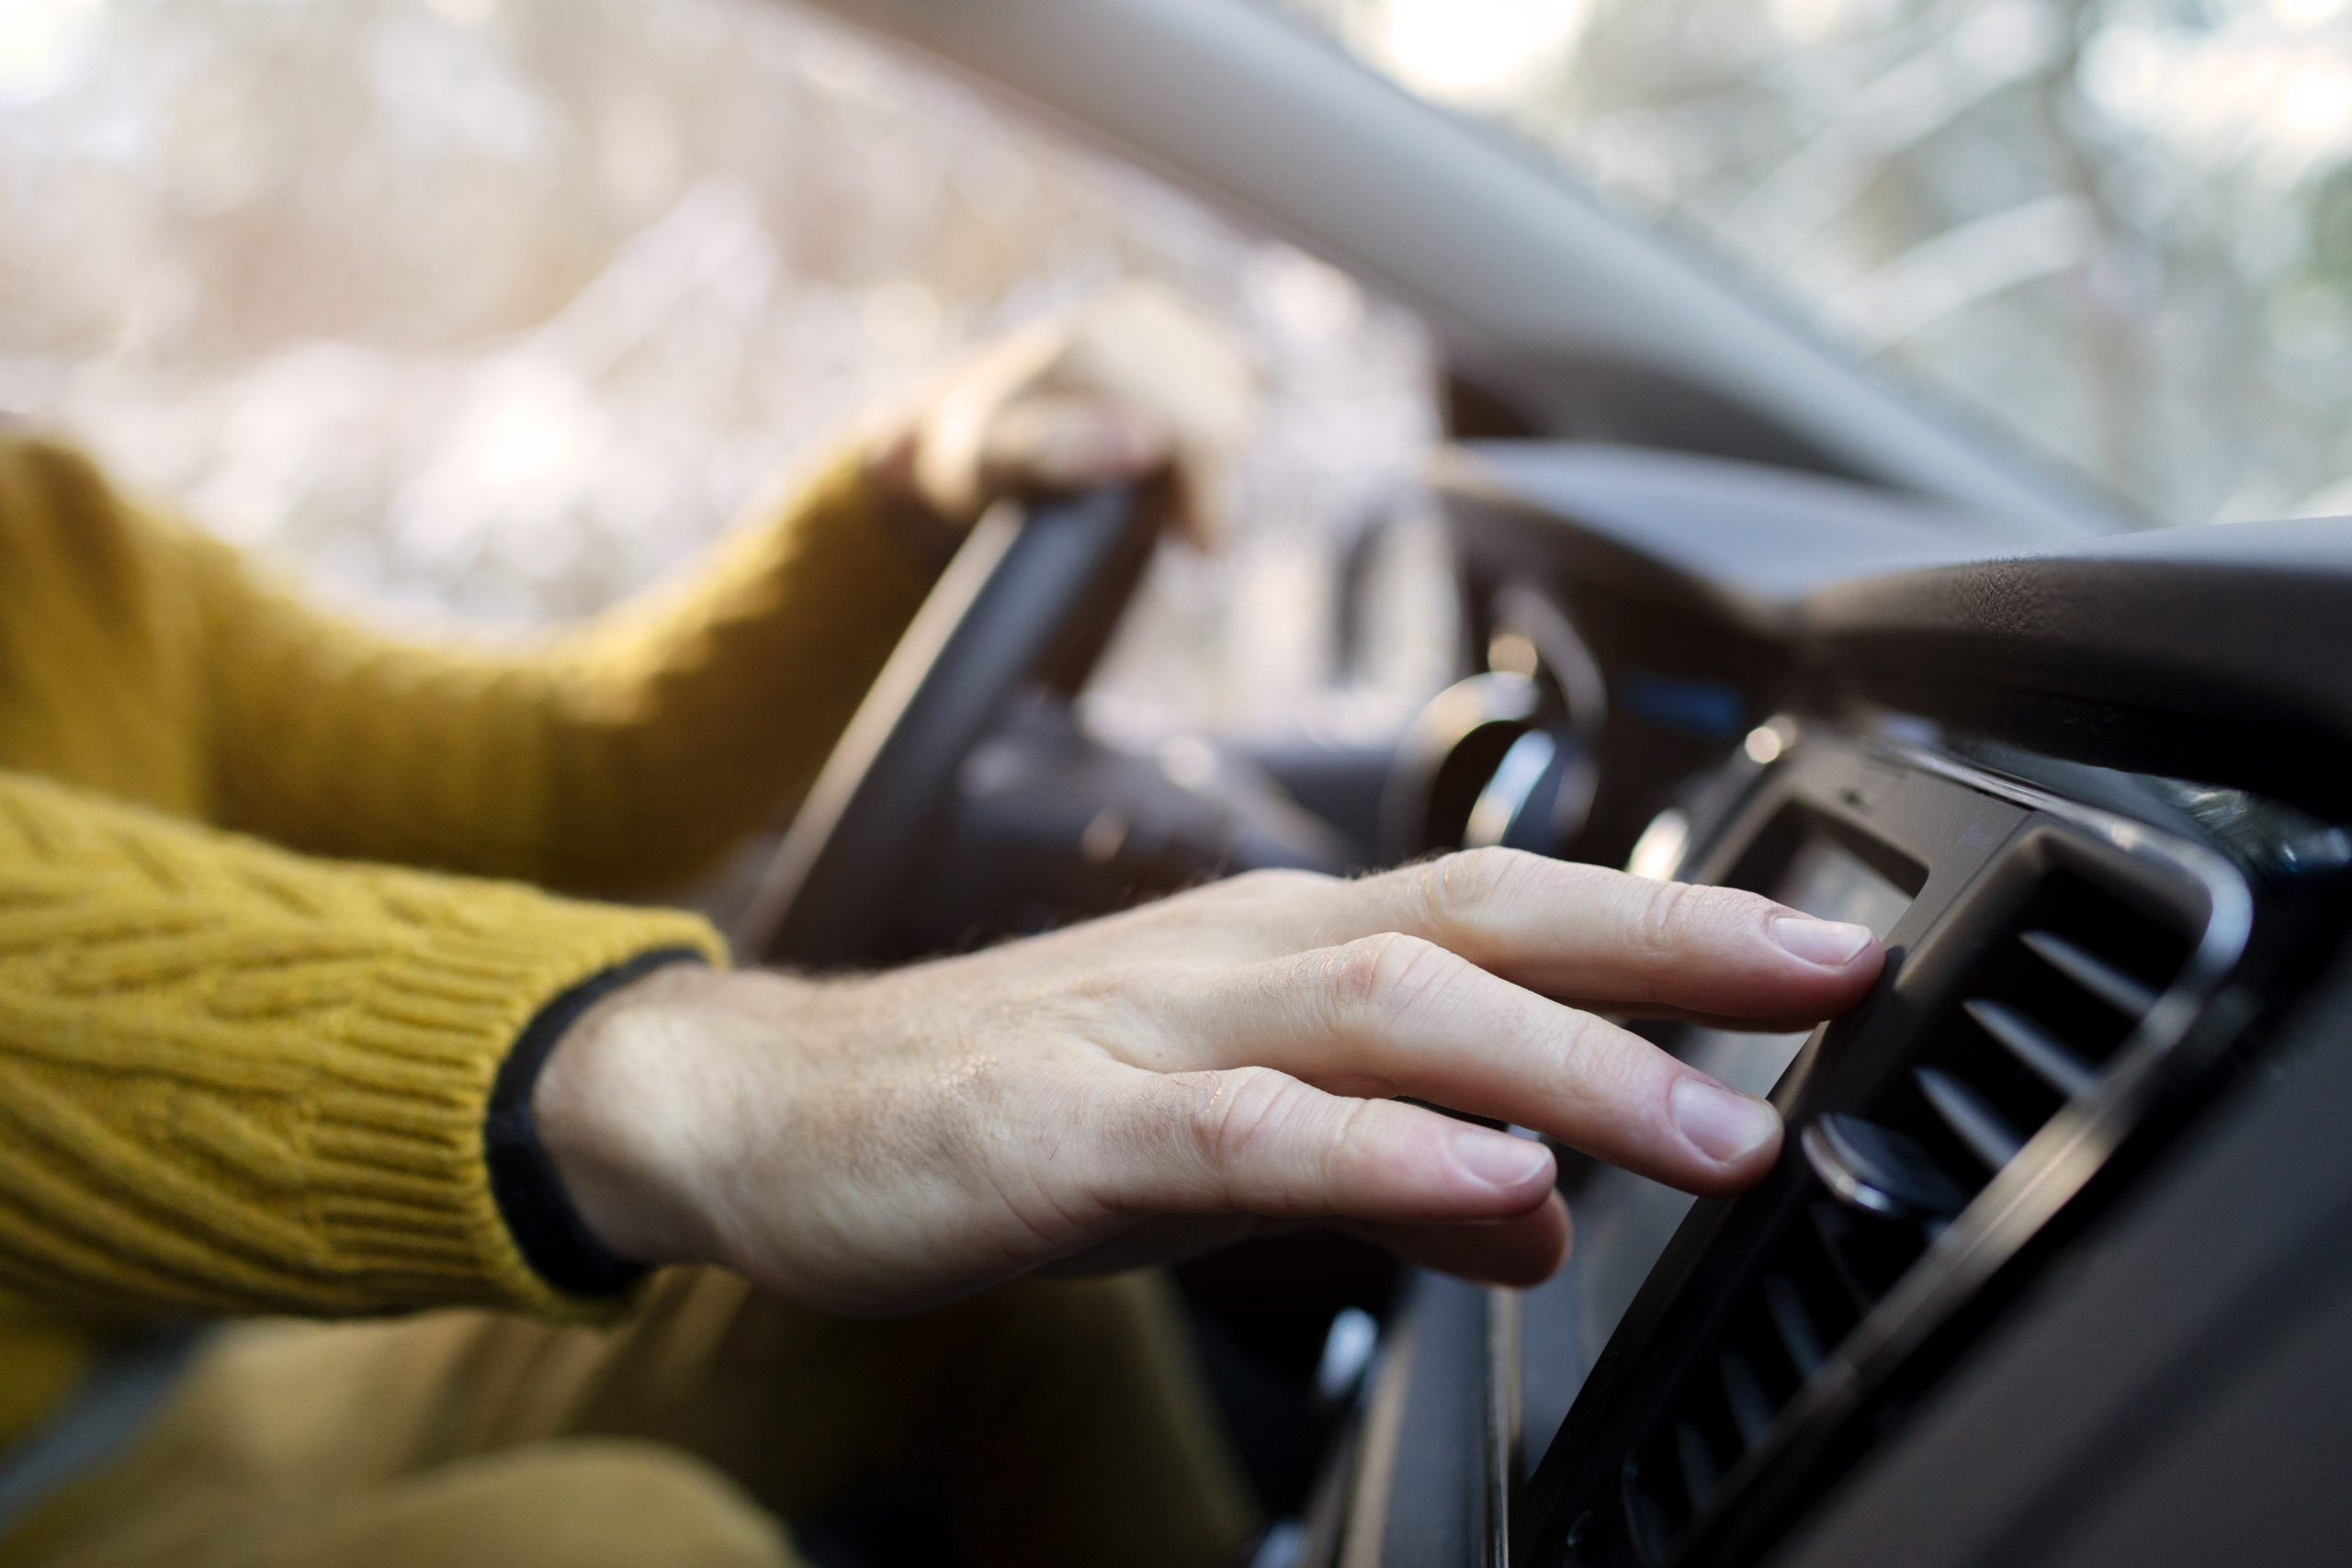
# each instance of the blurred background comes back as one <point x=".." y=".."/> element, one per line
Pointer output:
<point x="2119" y="231"/>
<point x="481" y="313"/>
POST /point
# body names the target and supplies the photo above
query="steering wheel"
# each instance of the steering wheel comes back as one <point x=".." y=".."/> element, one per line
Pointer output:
<point x="1031" y="597"/>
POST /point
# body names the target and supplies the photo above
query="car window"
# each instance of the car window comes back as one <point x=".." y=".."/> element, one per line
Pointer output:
<point x="486" y="311"/>
<point x="2121" y="229"/>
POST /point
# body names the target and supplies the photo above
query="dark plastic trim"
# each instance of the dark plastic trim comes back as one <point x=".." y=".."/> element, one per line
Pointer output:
<point x="2203" y="888"/>
<point x="1013" y="605"/>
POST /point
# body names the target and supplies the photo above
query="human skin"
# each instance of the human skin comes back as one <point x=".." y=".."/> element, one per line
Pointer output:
<point x="1130" y="383"/>
<point x="1149" y="1086"/>
<point x="1141" y="1087"/>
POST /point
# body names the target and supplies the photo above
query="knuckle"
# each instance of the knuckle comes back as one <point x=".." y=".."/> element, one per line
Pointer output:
<point x="1459" y="889"/>
<point x="1594" y="1057"/>
<point x="1487" y="871"/>
<point x="1244" y="1109"/>
<point x="1358" y="1133"/>
<point x="1267" y="1145"/>
<point x="1665" y="919"/>
<point x="1680" y="915"/>
<point x="1354" y="969"/>
<point x="1390" y="976"/>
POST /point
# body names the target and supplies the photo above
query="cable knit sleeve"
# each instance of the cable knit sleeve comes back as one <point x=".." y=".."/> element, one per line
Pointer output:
<point x="239" y="1080"/>
<point x="616" y="759"/>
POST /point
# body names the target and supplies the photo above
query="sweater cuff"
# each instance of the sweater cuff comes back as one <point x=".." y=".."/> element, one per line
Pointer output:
<point x="404" y="1184"/>
<point x="530" y="1191"/>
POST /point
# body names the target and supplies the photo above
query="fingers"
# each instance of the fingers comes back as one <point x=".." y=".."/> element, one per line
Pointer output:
<point x="1148" y="346"/>
<point x="1258" y="1142"/>
<point x="1393" y="1014"/>
<point x="1133" y="383"/>
<point x="946" y="432"/>
<point x="1606" y="940"/>
<point x="1518" y="1253"/>
<point x="1144" y="347"/>
<point x="1069" y="442"/>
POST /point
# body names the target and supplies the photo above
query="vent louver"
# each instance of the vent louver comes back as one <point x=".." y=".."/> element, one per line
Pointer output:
<point x="2037" y="1023"/>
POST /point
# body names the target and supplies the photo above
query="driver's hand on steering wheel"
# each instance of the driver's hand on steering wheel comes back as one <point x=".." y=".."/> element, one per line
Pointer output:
<point x="1132" y="385"/>
<point x="1147" y="1086"/>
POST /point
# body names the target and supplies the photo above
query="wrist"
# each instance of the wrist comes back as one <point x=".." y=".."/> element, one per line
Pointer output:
<point x="620" y="1114"/>
<point x="530" y="1196"/>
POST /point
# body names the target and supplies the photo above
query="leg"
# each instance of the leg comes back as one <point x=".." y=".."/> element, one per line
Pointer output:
<point x="576" y="1504"/>
<point x="1058" y="1420"/>
<point x="1061" y="1421"/>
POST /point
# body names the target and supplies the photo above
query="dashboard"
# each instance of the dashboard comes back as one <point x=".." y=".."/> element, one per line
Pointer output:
<point x="2056" y="1266"/>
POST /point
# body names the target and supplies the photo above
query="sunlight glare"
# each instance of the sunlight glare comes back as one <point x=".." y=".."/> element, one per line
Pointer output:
<point x="1468" y="49"/>
<point x="42" y="44"/>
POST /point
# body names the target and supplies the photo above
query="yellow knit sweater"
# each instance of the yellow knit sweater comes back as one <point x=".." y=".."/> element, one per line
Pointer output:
<point x="246" y="1076"/>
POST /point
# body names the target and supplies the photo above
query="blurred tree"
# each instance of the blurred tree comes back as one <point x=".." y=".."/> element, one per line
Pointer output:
<point x="489" y="311"/>
<point x="2110" y="226"/>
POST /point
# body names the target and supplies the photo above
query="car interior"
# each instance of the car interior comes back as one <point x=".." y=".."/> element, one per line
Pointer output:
<point x="2052" y="1268"/>
<point x="2055" y="1268"/>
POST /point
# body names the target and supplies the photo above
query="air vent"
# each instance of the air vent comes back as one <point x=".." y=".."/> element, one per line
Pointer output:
<point x="2037" y="1023"/>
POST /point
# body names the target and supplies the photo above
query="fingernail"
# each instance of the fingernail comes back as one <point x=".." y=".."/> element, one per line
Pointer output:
<point x="1499" y="1159"/>
<point x="1726" y="1127"/>
<point x="1833" y="943"/>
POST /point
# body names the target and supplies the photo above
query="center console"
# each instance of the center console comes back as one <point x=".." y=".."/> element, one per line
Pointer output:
<point x="2056" y="1265"/>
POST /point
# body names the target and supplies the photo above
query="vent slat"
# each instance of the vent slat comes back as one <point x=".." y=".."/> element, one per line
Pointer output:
<point x="1751" y="1407"/>
<point x="1983" y="1129"/>
<point x="1648" y="1522"/>
<point x="1700" y="1474"/>
<point x="2033" y="1045"/>
<point x="2098" y="977"/>
<point x="1793" y="1323"/>
<point x="2032" y="1023"/>
<point x="1835" y="1226"/>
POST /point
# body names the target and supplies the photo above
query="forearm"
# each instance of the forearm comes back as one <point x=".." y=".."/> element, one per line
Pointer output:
<point x="237" y="1080"/>
<point x="619" y="757"/>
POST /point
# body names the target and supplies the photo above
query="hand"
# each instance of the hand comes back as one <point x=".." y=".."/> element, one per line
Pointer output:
<point x="1156" y="1082"/>
<point x="1136" y="383"/>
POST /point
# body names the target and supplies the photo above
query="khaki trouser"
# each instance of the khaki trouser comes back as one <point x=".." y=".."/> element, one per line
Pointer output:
<point x="1056" y="1422"/>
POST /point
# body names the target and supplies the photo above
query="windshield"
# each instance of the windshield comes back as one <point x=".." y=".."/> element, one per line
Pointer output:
<point x="2120" y="228"/>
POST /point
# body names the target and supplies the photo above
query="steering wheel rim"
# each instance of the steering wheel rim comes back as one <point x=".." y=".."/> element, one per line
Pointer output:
<point x="1031" y="595"/>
